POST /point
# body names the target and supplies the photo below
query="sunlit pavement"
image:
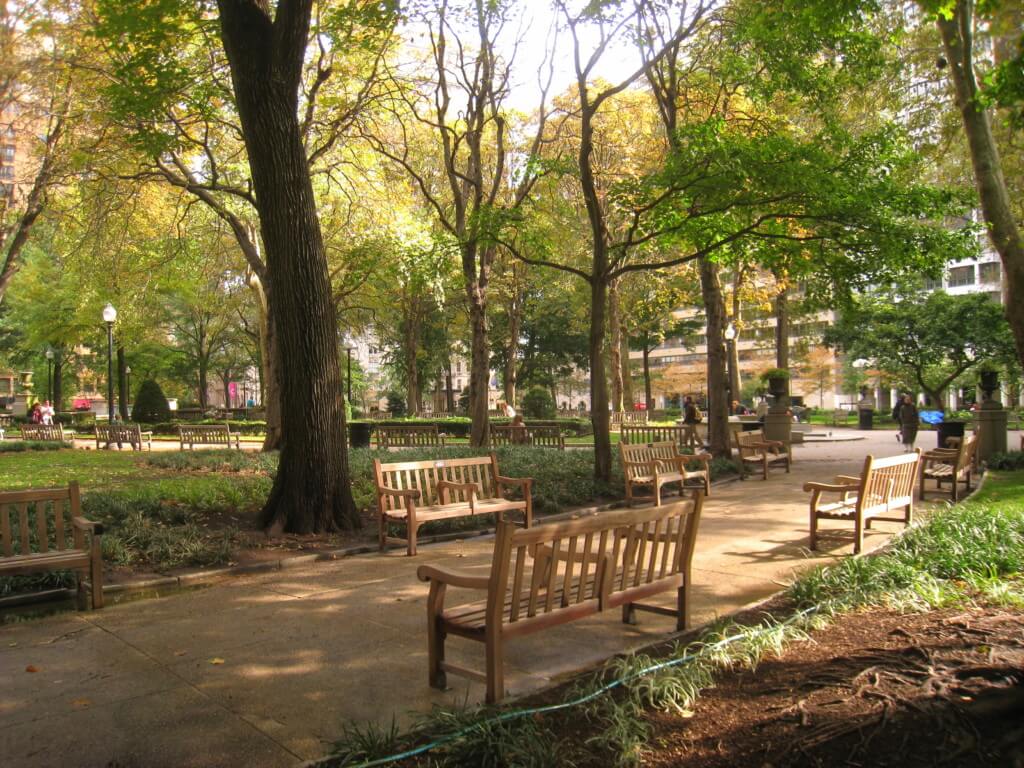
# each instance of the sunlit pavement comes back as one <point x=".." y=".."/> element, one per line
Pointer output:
<point x="265" y="670"/>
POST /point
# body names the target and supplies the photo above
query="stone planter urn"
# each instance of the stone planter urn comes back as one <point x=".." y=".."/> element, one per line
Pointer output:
<point x="26" y="381"/>
<point x="778" y="386"/>
<point x="989" y="383"/>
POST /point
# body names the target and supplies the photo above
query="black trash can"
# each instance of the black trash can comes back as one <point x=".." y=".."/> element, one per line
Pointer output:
<point x="866" y="418"/>
<point x="949" y="429"/>
<point x="359" y="434"/>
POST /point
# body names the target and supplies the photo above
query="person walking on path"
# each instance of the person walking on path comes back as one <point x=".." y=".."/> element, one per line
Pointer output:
<point x="909" y="420"/>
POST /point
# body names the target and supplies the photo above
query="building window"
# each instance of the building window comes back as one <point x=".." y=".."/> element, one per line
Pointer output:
<point x="961" y="276"/>
<point x="6" y="172"/>
<point x="7" y="191"/>
<point x="989" y="273"/>
<point x="8" y="153"/>
<point x="931" y="284"/>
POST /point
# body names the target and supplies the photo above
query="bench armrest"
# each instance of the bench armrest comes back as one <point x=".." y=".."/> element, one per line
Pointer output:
<point x="84" y="524"/>
<point x="830" y="487"/>
<point x="452" y="578"/>
<point x="522" y="482"/>
<point x="846" y="479"/>
<point x="445" y="486"/>
<point x="402" y="493"/>
<point x="941" y="453"/>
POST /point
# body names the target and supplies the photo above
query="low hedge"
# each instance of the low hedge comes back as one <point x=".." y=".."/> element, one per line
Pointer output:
<point x="17" y="446"/>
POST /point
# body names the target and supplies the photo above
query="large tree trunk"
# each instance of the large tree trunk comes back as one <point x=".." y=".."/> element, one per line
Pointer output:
<point x="782" y="329"/>
<point x="515" y="324"/>
<point x="58" y="379"/>
<point x="627" y="378"/>
<point x="449" y="393"/>
<point x="122" y="385"/>
<point x="411" y="343"/>
<point x="479" y="366"/>
<point x="957" y="41"/>
<point x="648" y="397"/>
<point x="615" y="347"/>
<point x="598" y="382"/>
<point x="718" y="408"/>
<point x="204" y="373"/>
<point x="312" y="489"/>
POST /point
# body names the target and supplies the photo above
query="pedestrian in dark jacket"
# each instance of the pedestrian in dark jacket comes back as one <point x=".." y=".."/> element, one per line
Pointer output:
<point x="909" y="421"/>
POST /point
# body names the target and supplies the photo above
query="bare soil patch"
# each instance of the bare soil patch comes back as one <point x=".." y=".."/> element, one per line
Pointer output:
<point x="873" y="689"/>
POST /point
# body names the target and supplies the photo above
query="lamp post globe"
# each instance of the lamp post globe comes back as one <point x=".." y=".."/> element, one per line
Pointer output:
<point x="49" y="374"/>
<point x="109" y="317"/>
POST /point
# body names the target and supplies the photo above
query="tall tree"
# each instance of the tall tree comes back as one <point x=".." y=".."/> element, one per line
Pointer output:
<point x="265" y="50"/>
<point x="475" y="192"/>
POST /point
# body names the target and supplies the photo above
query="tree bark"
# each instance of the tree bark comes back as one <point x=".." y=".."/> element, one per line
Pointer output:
<point x="782" y="329"/>
<point x="479" y="365"/>
<point x="411" y="343"/>
<point x="615" y="347"/>
<point x="957" y="41"/>
<point x="58" y="379"/>
<point x="515" y="324"/>
<point x="718" y="408"/>
<point x="599" y="418"/>
<point x="449" y="393"/>
<point x="624" y="371"/>
<point x="648" y="398"/>
<point x="312" y="488"/>
<point x="270" y="375"/>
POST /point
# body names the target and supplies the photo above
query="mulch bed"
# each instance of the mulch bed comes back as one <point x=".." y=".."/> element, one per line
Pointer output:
<point x="873" y="689"/>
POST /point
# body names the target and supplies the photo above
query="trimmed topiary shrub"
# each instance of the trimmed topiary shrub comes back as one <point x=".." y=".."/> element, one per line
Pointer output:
<point x="150" y="404"/>
<point x="538" y="404"/>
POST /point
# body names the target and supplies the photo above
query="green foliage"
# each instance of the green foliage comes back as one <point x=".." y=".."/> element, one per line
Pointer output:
<point x="19" y="446"/>
<point x="1011" y="460"/>
<point x="396" y="403"/>
<point x="150" y="404"/>
<point x="923" y="341"/>
<point x="538" y="404"/>
<point x="775" y="373"/>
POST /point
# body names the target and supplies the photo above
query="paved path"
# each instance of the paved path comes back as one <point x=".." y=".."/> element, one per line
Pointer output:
<point x="265" y="670"/>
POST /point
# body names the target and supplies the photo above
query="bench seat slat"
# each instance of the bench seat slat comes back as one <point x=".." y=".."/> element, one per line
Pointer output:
<point x="47" y="561"/>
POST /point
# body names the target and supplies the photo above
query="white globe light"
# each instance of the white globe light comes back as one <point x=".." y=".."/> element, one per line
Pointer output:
<point x="109" y="313"/>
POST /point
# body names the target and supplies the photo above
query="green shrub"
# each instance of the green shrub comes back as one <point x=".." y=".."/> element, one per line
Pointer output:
<point x="396" y="403"/>
<point x="17" y="446"/>
<point x="538" y="404"/>
<point x="1009" y="460"/>
<point x="150" y="404"/>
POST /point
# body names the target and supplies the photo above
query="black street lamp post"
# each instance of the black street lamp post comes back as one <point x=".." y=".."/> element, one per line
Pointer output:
<point x="128" y="386"/>
<point x="109" y="316"/>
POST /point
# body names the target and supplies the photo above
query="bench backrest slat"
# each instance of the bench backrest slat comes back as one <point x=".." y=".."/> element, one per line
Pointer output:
<point x="561" y="566"/>
<point x="424" y="476"/>
<point x="417" y="436"/>
<point x="654" y="434"/>
<point x="634" y="453"/>
<point x="43" y="517"/>
<point x="46" y="432"/>
<point x="887" y="482"/>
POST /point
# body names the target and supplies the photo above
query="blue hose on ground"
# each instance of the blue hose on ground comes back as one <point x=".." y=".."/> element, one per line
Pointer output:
<point x="518" y="713"/>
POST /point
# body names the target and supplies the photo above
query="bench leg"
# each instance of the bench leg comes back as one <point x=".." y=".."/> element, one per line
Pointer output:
<point x="858" y="535"/>
<point x="435" y="637"/>
<point x="628" y="614"/>
<point x="683" y="606"/>
<point x="814" y="530"/>
<point x="96" y="573"/>
<point x="495" y="673"/>
<point x="382" y="534"/>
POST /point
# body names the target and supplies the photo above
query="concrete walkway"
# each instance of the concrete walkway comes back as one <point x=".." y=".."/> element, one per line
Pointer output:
<point x="265" y="670"/>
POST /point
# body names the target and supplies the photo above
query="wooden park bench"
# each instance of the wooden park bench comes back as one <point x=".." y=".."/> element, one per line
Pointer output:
<point x="683" y="435"/>
<point x="380" y="415"/>
<point x="753" y="448"/>
<point x="107" y="434"/>
<point x="952" y="464"/>
<point x="207" y="434"/>
<point x="840" y="416"/>
<point x="884" y="485"/>
<point x="418" y="436"/>
<point x="54" y="433"/>
<point x="657" y="464"/>
<point x="528" y="434"/>
<point x="553" y="574"/>
<point x="34" y="528"/>
<point x="415" y="492"/>
<point x="618" y="418"/>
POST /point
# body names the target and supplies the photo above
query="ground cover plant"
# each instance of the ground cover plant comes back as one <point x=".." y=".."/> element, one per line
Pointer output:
<point x="963" y="564"/>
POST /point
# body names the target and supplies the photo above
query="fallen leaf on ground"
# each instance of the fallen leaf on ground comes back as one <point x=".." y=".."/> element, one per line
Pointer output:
<point x="180" y="653"/>
<point x="31" y="668"/>
<point x="217" y="660"/>
<point x="81" y="703"/>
